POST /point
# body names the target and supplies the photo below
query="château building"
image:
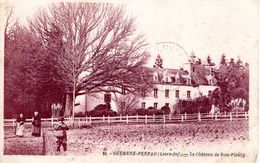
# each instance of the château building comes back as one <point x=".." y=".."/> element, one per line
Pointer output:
<point x="193" y="80"/>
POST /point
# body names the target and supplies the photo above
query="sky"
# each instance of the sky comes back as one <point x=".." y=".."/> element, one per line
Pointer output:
<point x="206" y="27"/>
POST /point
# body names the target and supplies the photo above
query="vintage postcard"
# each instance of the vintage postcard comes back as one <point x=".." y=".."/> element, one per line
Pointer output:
<point x="132" y="81"/>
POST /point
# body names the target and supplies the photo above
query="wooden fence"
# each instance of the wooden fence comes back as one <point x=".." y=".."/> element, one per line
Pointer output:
<point x="170" y="118"/>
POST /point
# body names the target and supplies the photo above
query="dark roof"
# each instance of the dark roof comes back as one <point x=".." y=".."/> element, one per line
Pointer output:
<point x="169" y="70"/>
<point x="198" y="75"/>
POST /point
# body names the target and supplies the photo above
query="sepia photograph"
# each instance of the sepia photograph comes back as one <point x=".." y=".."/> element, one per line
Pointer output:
<point x="170" y="79"/>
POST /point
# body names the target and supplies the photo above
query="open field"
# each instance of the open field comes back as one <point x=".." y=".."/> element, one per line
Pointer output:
<point x="27" y="145"/>
<point x="155" y="137"/>
<point x="140" y="137"/>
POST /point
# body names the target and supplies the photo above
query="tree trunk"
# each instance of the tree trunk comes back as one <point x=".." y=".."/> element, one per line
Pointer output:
<point x="68" y="105"/>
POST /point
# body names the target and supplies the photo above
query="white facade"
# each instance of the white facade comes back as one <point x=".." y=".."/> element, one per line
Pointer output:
<point x="171" y="98"/>
<point x="194" y="80"/>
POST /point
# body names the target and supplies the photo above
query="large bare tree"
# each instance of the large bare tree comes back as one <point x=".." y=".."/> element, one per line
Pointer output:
<point x="96" y="47"/>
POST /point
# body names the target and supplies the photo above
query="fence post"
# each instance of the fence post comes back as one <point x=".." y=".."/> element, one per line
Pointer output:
<point x="136" y="117"/>
<point x="216" y="116"/>
<point x="236" y="113"/>
<point x="154" y="117"/>
<point x="199" y="117"/>
<point x="164" y="118"/>
<point x="127" y="118"/>
<point x="181" y="118"/>
<point x="145" y="118"/>
<point x="52" y="120"/>
<point x="103" y="119"/>
<point x="170" y="116"/>
<point x="79" y="123"/>
<point x="120" y="117"/>
<point x="230" y="116"/>
<point x="90" y="120"/>
<point x="86" y="119"/>
<point x="13" y="122"/>
<point x="108" y="119"/>
<point x="225" y="114"/>
<point x="185" y="115"/>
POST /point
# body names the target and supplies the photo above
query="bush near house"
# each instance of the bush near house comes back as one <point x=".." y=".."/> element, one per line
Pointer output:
<point x="101" y="110"/>
<point x="200" y="104"/>
<point x="80" y="114"/>
<point x="152" y="111"/>
<point x="165" y="110"/>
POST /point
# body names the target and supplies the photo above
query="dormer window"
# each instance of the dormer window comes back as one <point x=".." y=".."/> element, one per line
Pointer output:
<point x="143" y="93"/>
<point x="167" y="79"/>
<point x="188" y="81"/>
<point x="210" y="82"/>
<point x="177" y="80"/>
<point x="123" y="90"/>
<point x="155" y="78"/>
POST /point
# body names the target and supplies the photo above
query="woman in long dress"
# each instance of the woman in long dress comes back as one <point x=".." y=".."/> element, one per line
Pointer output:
<point x="20" y="125"/>
<point x="36" y="125"/>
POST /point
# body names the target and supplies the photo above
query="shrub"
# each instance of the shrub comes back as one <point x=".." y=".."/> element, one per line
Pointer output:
<point x="151" y="108"/>
<point x="200" y="104"/>
<point x="165" y="110"/>
<point x="141" y="111"/>
<point x="102" y="110"/>
<point x="80" y="114"/>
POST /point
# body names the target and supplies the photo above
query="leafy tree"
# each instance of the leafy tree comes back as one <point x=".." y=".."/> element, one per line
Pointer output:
<point x="209" y="60"/>
<point x="233" y="80"/>
<point x="200" y="104"/>
<point x="158" y="62"/>
<point x="223" y="60"/>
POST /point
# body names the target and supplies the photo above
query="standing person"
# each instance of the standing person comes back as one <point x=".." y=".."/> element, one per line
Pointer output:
<point x="61" y="134"/>
<point x="36" y="124"/>
<point x="20" y="125"/>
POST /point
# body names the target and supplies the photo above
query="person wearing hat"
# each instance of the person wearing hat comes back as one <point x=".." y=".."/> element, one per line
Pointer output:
<point x="20" y="125"/>
<point x="61" y="134"/>
<point x="36" y="124"/>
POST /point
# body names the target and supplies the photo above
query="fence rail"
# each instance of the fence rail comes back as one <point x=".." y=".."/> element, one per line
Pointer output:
<point x="170" y="118"/>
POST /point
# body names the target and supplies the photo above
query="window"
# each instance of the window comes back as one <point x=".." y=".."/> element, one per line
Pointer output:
<point x="167" y="79"/>
<point x="155" y="105"/>
<point x="155" y="92"/>
<point x="123" y="90"/>
<point x="210" y="82"/>
<point x="177" y="94"/>
<point x="155" y="78"/>
<point x="177" y="80"/>
<point x="188" y="94"/>
<point x="188" y="81"/>
<point x="167" y="104"/>
<point x="143" y="93"/>
<point x="209" y="93"/>
<point x="143" y="104"/>
<point x="123" y="105"/>
<point x="166" y="92"/>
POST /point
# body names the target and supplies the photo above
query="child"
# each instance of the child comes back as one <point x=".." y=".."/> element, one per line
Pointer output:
<point x="60" y="131"/>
